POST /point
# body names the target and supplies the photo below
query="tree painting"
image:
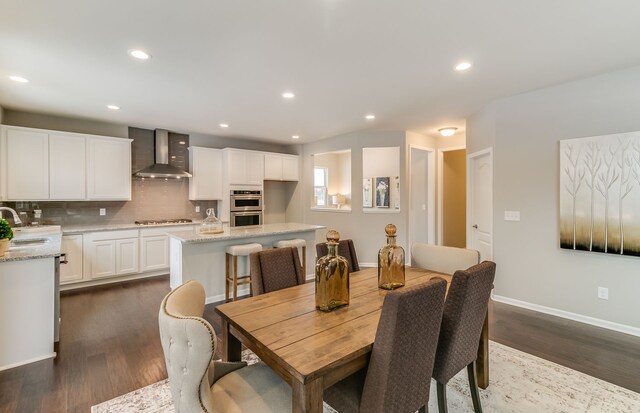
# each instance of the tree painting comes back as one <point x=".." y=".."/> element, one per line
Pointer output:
<point x="600" y="194"/>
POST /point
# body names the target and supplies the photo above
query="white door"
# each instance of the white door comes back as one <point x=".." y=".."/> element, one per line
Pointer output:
<point x="100" y="258"/>
<point x="71" y="246"/>
<point x="27" y="165"/>
<point x="154" y="253"/>
<point x="255" y="168"/>
<point x="109" y="169"/>
<point x="206" y="168"/>
<point x="67" y="171"/>
<point x="480" y="203"/>
<point x="272" y="167"/>
<point x="290" y="168"/>
<point x="126" y="256"/>
<point x="422" y="196"/>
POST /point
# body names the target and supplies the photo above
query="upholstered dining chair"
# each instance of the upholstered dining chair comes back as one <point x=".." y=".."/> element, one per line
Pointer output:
<point x="462" y="320"/>
<point x="402" y="357"/>
<point x="345" y="249"/>
<point x="443" y="259"/>
<point x="275" y="269"/>
<point x="200" y="385"/>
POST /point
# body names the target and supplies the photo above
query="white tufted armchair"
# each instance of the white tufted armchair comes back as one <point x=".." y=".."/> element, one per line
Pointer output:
<point x="200" y="385"/>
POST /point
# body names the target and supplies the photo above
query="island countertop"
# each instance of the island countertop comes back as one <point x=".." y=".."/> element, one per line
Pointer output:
<point x="49" y="248"/>
<point x="187" y="237"/>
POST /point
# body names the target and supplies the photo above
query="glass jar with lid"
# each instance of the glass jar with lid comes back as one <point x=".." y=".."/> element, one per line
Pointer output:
<point x="211" y="224"/>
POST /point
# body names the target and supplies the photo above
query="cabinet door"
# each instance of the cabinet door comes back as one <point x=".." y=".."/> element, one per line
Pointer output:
<point x="27" y="165"/>
<point x="108" y="169"/>
<point x="206" y="168"/>
<point x="236" y="167"/>
<point x="126" y="256"/>
<point x="272" y="167"/>
<point x="254" y="168"/>
<point x="100" y="258"/>
<point x="71" y="246"/>
<point x="290" y="168"/>
<point x="154" y="253"/>
<point x="67" y="155"/>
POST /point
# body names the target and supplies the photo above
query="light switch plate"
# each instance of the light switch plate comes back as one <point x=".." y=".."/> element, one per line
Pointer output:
<point x="512" y="215"/>
<point x="197" y="208"/>
<point x="103" y="211"/>
<point x="603" y="293"/>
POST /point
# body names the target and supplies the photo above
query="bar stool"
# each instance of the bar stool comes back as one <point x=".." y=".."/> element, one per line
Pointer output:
<point x="297" y="243"/>
<point x="235" y="251"/>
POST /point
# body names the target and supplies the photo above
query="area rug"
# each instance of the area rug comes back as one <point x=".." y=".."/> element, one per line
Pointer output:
<point x="520" y="382"/>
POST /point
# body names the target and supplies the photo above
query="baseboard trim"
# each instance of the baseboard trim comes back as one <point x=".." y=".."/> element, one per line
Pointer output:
<point x="610" y="325"/>
<point x="368" y="264"/>
<point x="23" y="362"/>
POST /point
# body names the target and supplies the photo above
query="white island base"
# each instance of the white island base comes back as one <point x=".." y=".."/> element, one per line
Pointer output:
<point x="201" y="257"/>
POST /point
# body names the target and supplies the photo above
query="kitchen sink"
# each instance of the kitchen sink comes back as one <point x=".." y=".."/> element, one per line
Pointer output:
<point x="30" y="242"/>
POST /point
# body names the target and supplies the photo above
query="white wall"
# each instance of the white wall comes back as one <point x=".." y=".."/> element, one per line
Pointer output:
<point x="524" y="131"/>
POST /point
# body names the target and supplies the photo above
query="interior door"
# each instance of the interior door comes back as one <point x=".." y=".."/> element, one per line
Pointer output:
<point x="480" y="202"/>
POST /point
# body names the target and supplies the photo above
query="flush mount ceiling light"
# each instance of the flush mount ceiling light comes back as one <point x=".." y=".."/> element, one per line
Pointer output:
<point x="113" y="107"/>
<point x="19" y="79"/>
<point x="370" y="117"/>
<point x="462" y="66"/>
<point x="224" y="125"/>
<point x="139" y="54"/>
<point x="295" y="137"/>
<point x="447" y="131"/>
<point x="288" y="95"/>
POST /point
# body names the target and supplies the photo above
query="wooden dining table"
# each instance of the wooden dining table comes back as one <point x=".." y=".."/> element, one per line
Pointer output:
<point x="312" y="350"/>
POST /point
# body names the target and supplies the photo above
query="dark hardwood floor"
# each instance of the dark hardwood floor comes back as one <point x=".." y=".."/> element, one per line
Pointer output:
<point x="110" y="346"/>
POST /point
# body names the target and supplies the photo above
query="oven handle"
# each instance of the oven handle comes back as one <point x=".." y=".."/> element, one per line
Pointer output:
<point x="246" y="213"/>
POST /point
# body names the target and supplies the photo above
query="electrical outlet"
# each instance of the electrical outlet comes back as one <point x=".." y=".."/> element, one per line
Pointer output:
<point x="197" y="208"/>
<point x="512" y="215"/>
<point x="103" y="211"/>
<point x="603" y="293"/>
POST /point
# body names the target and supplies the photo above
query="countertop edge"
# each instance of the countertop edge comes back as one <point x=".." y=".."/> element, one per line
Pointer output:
<point x="195" y="238"/>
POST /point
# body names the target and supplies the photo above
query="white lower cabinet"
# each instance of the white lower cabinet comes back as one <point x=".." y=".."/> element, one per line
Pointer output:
<point x="154" y="250"/>
<point x="71" y="271"/>
<point x="110" y="253"/>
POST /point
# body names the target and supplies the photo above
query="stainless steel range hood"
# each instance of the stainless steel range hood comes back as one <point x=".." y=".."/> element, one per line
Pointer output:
<point x="161" y="167"/>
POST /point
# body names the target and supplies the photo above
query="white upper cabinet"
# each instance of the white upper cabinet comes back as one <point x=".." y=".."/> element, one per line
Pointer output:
<point x="279" y="167"/>
<point x="244" y="167"/>
<point x="108" y="169"/>
<point x="205" y="164"/>
<point x="27" y="163"/>
<point x="67" y="167"/>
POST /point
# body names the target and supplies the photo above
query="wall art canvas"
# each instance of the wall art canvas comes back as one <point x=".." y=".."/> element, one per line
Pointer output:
<point x="600" y="194"/>
<point x="367" y="192"/>
<point x="382" y="192"/>
<point x="395" y="193"/>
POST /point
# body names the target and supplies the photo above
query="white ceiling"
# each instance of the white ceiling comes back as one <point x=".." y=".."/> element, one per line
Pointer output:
<point x="229" y="61"/>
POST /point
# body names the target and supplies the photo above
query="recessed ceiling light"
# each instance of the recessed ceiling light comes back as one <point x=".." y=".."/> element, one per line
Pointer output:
<point x="139" y="54"/>
<point x="224" y="125"/>
<point x="113" y="107"/>
<point x="295" y="137"/>
<point x="370" y="117"/>
<point x="288" y="95"/>
<point x="19" y="79"/>
<point x="449" y="131"/>
<point x="463" y="66"/>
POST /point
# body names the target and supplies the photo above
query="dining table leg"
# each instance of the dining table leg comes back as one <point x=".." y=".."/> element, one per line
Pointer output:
<point x="482" y="362"/>
<point x="231" y="347"/>
<point x="307" y="397"/>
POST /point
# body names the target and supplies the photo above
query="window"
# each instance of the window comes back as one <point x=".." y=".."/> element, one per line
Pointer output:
<point x="320" y="180"/>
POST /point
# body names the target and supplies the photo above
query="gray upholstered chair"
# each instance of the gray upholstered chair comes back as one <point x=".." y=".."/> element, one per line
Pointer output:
<point x="275" y="269"/>
<point x="443" y="259"/>
<point x="200" y="385"/>
<point x="399" y="372"/>
<point x="464" y="314"/>
<point x="345" y="249"/>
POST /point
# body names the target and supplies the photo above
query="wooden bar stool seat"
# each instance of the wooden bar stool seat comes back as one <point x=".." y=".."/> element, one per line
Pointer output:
<point x="295" y="243"/>
<point x="235" y="251"/>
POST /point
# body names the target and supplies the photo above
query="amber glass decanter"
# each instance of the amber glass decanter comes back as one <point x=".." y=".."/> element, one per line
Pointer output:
<point x="391" y="262"/>
<point x="332" y="277"/>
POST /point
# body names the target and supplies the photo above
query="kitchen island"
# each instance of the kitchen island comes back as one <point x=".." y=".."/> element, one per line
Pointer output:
<point x="201" y="257"/>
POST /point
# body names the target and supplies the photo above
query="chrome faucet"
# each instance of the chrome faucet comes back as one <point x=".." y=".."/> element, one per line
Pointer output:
<point x="16" y="219"/>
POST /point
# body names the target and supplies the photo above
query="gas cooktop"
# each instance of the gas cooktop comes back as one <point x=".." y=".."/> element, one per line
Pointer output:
<point x="164" y="221"/>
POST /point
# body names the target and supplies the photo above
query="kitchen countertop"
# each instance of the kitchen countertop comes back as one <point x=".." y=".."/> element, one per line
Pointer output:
<point x="50" y="249"/>
<point x="81" y="229"/>
<point x="188" y="237"/>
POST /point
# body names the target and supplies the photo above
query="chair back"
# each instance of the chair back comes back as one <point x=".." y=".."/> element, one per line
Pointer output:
<point x="402" y="358"/>
<point x="346" y="249"/>
<point x="275" y="269"/>
<point x="443" y="259"/>
<point x="188" y="342"/>
<point x="464" y="312"/>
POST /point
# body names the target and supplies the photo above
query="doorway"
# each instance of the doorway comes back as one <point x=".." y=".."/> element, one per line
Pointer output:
<point x="480" y="203"/>
<point x="421" y="196"/>
<point x="452" y="197"/>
